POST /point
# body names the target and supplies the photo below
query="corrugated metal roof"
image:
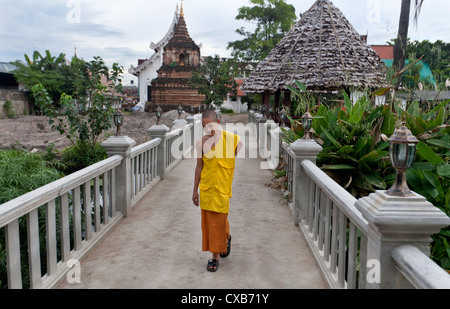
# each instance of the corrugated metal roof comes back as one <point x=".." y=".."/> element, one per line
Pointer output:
<point x="6" y="67"/>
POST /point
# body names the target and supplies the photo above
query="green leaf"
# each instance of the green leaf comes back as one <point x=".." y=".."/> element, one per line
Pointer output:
<point x="339" y="167"/>
<point x="381" y="91"/>
<point x="375" y="180"/>
<point x="439" y="143"/>
<point x="348" y="102"/>
<point x="444" y="170"/>
<point x="357" y="113"/>
<point x="330" y="137"/>
<point x="345" y="150"/>
<point x="373" y="156"/>
<point x="428" y="154"/>
<point x="301" y="86"/>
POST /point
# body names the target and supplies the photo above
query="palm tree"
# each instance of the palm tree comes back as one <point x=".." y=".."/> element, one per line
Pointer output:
<point x="400" y="48"/>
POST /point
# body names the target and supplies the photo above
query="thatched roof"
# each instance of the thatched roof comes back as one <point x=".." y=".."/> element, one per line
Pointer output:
<point x="322" y="51"/>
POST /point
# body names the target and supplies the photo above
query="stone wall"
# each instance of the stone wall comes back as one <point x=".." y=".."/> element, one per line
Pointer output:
<point x="21" y="102"/>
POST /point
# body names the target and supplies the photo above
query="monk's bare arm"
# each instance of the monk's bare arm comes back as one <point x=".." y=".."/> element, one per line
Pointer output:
<point x="198" y="172"/>
<point x="239" y="147"/>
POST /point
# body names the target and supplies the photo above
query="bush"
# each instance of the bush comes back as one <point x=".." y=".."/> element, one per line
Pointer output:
<point x="9" y="109"/>
<point x="226" y="110"/>
<point x="22" y="172"/>
<point x="77" y="157"/>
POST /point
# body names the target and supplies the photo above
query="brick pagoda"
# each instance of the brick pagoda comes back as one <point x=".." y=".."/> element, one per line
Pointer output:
<point x="181" y="58"/>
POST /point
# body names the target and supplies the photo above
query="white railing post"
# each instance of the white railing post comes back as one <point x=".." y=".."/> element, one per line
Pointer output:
<point x="303" y="150"/>
<point x="121" y="145"/>
<point x="160" y="131"/>
<point x="394" y="222"/>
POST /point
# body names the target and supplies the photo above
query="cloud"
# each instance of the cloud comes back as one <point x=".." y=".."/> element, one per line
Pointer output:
<point x="121" y="31"/>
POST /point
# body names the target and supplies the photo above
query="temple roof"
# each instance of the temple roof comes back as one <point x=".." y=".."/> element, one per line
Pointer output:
<point x="322" y="51"/>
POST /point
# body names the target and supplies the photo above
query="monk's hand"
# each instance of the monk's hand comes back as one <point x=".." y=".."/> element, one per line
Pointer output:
<point x="195" y="198"/>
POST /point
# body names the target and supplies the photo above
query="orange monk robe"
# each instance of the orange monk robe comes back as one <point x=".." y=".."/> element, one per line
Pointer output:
<point x="215" y="192"/>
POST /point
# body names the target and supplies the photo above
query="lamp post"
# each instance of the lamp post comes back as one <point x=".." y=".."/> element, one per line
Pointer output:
<point x="158" y="112"/>
<point x="402" y="150"/>
<point x="118" y="121"/>
<point x="180" y="112"/>
<point x="307" y="121"/>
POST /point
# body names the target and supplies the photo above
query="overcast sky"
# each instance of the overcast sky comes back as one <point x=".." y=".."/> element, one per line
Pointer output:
<point x="121" y="31"/>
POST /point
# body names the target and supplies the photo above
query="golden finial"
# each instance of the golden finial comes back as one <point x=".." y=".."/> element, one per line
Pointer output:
<point x="181" y="10"/>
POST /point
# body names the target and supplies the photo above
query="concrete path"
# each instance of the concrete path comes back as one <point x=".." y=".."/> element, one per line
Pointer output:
<point x="159" y="245"/>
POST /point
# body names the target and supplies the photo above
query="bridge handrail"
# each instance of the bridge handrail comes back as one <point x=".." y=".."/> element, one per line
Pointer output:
<point x="143" y="165"/>
<point x="65" y="199"/>
<point x="419" y="269"/>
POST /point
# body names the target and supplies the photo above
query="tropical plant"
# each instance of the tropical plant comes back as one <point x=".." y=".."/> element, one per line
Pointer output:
<point x="430" y="174"/>
<point x="45" y="69"/>
<point x="20" y="173"/>
<point x="87" y="114"/>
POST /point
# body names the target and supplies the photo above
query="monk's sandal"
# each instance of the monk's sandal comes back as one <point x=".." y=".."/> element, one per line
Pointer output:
<point x="224" y="255"/>
<point x="213" y="265"/>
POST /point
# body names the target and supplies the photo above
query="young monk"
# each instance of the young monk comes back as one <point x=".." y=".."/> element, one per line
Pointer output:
<point x="216" y="153"/>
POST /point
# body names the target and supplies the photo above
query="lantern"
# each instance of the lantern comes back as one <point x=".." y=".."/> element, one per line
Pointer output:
<point x="402" y="150"/>
<point x="158" y="112"/>
<point x="307" y="121"/>
<point x="118" y="121"/>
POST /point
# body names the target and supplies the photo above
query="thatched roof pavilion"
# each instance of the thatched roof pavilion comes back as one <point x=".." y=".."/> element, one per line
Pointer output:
<point x="322" y="51"/>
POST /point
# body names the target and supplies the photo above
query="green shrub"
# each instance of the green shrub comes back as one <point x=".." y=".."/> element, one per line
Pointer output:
<point x="9" y="109"/>
<point x="22" y="172"/>
<point x="226" y="110"/>
<point x="77" y="157"/>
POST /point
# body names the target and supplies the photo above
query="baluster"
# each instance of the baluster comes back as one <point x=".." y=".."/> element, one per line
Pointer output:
<point x="133" y="177"/>
<point x="327" y="225"/>
<point x="113" y="193"/>
<point x="13" y="255"/>
<point x="352" y="251"/>
<point x="97" y="216"/>
<point x="342" y="247"/>
<point x="362" y="262"/>
<point x="105" y="198"/>
<point x="310" y="204"/>
<point x="334" y="239"/>
<point x="50" y="218"/>
<point x="77" y="218"/>
<point x="141" y="172"/>
<point x="65" y="227"/>
<point x="316" y="211"/>
<point x="87" y="209"/>
<point x="323" y="203"/>
<point x="34" y="256"/>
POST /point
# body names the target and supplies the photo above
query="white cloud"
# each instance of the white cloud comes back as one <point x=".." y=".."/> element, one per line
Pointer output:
<point x="121" y="31"/>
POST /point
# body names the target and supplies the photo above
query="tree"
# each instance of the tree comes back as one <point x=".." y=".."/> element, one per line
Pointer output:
<point x="213" y="80"/>
<point x="400" y="48"/>
<point x="273" y="19"/>
<point x="47" y="70"/>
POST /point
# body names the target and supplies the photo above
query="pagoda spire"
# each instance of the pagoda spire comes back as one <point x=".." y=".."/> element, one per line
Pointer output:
<point x="181" y="10"/>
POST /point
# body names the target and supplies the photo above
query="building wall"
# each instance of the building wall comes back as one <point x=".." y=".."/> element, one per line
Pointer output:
<point x="21" y="102"/>
<point x="145" y="79"/>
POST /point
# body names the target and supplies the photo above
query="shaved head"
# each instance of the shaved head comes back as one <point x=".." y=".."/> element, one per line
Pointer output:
<point x="210" y="114"/>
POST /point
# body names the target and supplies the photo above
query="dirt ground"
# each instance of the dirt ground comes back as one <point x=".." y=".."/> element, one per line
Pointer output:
<point x="34" y="133"/>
